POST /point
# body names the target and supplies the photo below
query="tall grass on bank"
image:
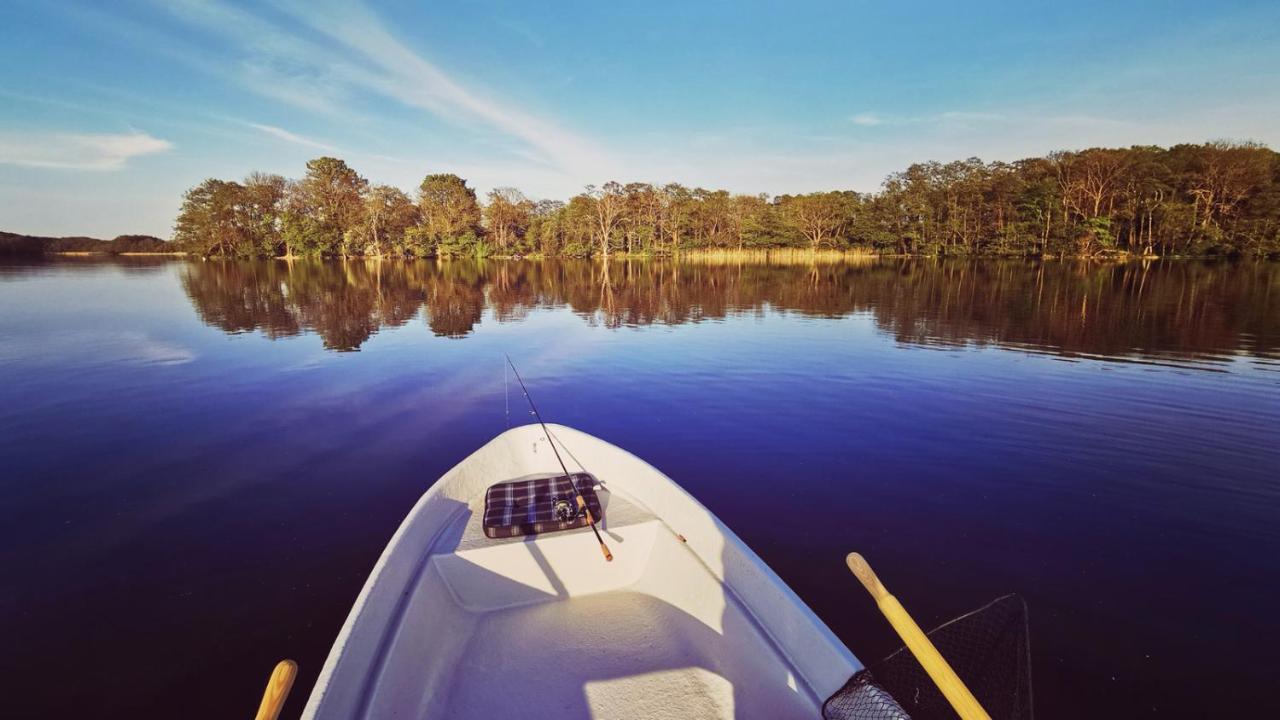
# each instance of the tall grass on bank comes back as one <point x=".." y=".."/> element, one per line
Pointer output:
<point x="777" y="256"/>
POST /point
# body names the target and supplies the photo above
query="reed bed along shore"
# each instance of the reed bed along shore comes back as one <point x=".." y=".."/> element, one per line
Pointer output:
<point x="777" y="256"/>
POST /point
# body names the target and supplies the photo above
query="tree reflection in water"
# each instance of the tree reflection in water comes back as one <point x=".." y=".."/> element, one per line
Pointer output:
<point x="1156" y="310"/>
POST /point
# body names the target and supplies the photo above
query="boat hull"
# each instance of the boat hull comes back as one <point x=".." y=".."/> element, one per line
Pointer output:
<point x="686" y="621"/>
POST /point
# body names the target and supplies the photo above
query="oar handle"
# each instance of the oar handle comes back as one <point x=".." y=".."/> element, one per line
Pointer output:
<point x="277" y="691"/>
<point x="939" y="670"/>
<point x="861" y="570"/>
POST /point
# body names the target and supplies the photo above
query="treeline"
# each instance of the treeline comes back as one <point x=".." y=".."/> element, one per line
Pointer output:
<point x="16" y="244"/>
<point x="1211" y="199"/>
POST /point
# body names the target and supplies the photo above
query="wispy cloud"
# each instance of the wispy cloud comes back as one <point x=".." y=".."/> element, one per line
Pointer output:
<point x="77" y="151"/>
<point x="109" y="346"/>
<point x="871" y="119"/>
<point x="970" y="119"/>
<point x="365" y="58"/>
<point x="294" y="138"/>
<point x="972" y="116"/>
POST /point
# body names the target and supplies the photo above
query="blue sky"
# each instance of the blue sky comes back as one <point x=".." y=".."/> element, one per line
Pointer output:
<point x="109" y="111"/>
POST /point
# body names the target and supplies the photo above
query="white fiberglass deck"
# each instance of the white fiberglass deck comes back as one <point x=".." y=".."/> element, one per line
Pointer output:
<point x="544" y="627"/>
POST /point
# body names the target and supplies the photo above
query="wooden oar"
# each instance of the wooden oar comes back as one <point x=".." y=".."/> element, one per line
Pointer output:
<point x="277" y="690"/>
<point x="953" y="689"/>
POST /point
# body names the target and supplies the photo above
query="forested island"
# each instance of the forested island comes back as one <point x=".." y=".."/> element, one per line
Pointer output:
<point x="1212" y="199"/>
<point x="17" y="244"/>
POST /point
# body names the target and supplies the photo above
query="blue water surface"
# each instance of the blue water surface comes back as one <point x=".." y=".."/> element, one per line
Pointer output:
<point x="202" y="461"/>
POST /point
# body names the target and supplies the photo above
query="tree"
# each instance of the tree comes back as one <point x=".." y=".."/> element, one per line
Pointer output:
<point x="1224" y="175"/>
<point x="507" y="216"/>
<point x="641" y="217"/>
<point x="746" y="214"/>
<point x="818" y="217"/>
<point x="388" y="215"/>
<point x="449" y="208"/>
<point x="208" y="222"/>
<point x="609" y="202"/>
<point x="546" y="227"/>
<point x="677" y="211"/>
<point x="301" y="231"/>
<point x="1094" y="178"/>
<point x="261" y="210"/>
<point x="331" y="196"/>
<point x="714" y="219"/>
<point x="579" y="226"/>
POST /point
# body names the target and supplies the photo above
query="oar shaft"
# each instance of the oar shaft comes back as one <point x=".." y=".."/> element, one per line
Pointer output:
<point x="939" y="670"/>
<point x="277" y="691"/>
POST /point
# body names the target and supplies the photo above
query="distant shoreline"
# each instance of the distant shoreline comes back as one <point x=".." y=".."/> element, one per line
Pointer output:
<point x="768" y="256"/>
<point x="15" y="245"/>
<point x="19" y="244"/>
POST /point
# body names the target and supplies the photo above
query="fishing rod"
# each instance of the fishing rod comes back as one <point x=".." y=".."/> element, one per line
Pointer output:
<point x="582" y="503"/>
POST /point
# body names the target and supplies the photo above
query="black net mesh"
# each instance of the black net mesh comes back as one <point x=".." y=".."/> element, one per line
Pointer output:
<point x="989" y="649"/>
<point x="862" y="699"/>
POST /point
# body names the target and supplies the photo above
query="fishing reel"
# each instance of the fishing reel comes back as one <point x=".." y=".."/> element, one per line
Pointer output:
<point x="563" y="509"/>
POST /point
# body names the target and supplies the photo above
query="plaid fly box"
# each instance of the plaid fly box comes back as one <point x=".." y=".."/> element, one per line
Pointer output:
<point x="539" y="505"/>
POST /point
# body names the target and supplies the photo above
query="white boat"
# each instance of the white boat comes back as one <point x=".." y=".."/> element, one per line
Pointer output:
<point x="685" y="622"/>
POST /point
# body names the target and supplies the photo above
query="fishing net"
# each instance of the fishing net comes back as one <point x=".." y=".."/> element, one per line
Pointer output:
<point x="989" y="648"/>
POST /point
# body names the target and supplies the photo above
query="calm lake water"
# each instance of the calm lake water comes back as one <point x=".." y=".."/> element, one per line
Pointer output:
<point x="202" y="460"/>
